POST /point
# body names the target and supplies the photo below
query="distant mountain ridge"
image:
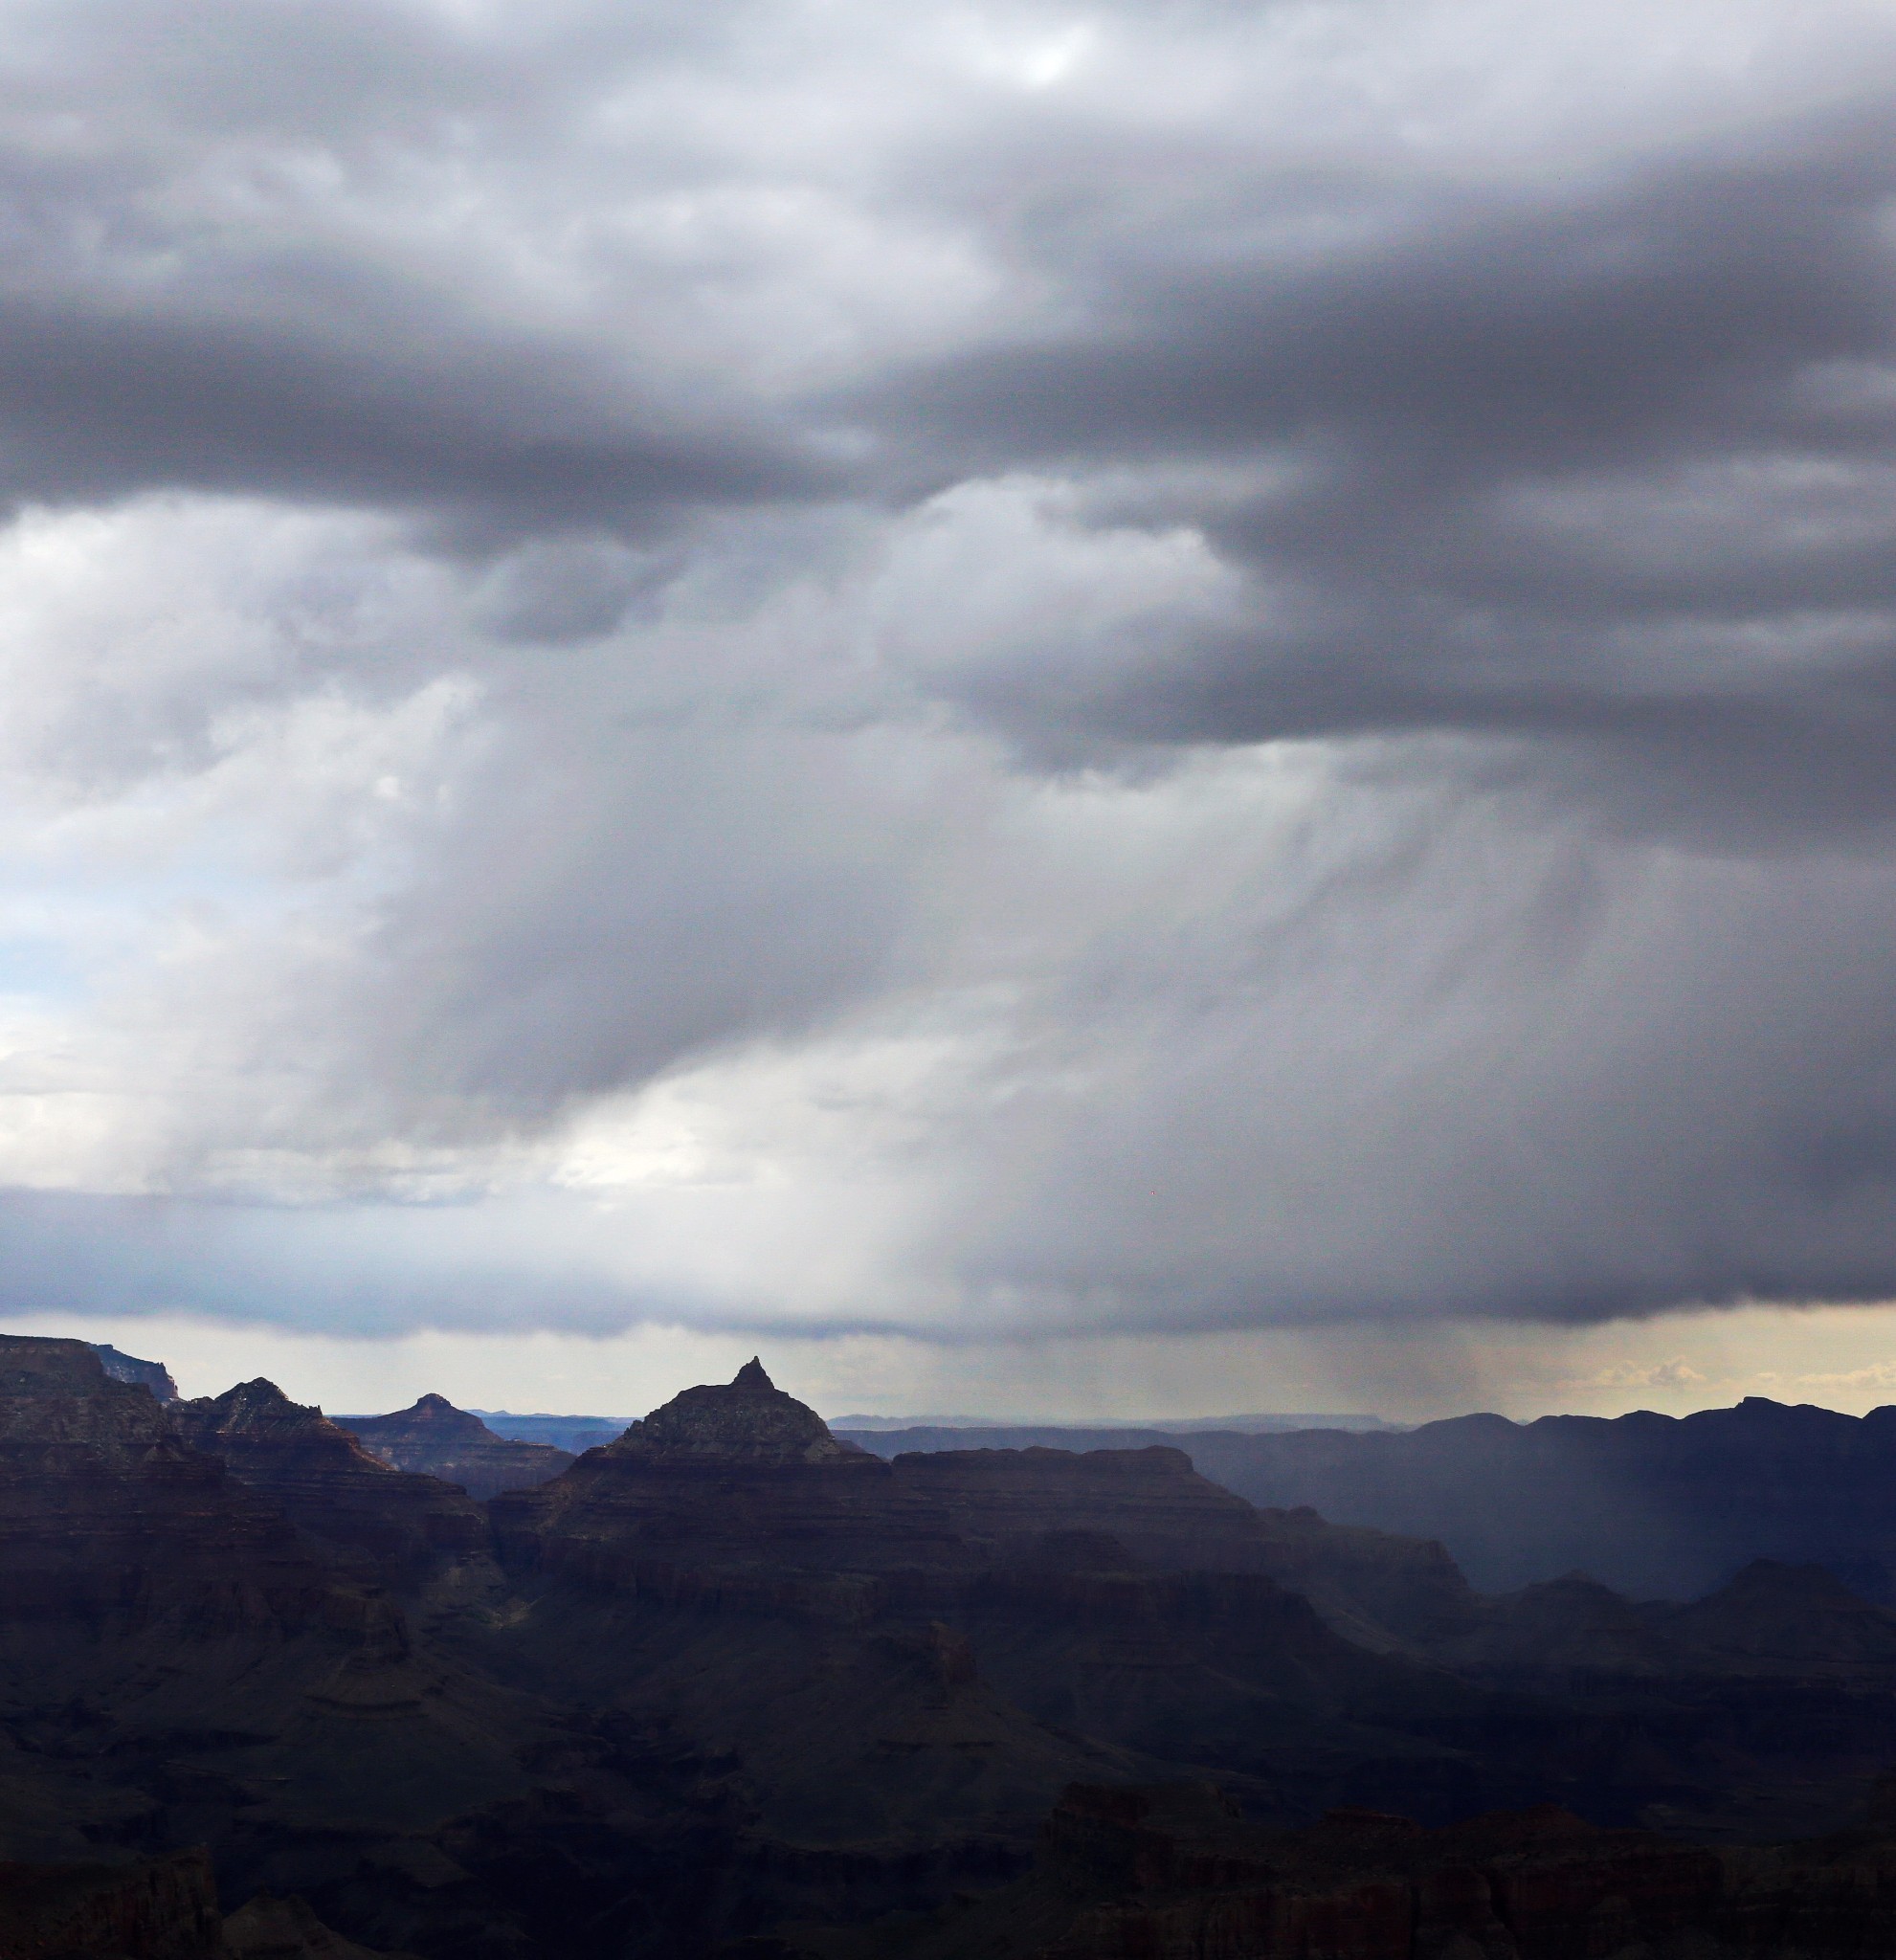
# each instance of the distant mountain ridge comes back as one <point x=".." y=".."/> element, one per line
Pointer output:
<point x="1654" y="1506"/>
<point x="1253" y="1424"/>
<point x="575" y="1434"/>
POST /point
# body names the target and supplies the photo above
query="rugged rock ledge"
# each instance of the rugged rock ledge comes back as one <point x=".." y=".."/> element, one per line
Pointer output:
<point x="328" y="1483"/>
<point x="109" y="1520"/>
<point x="161" y="1909"/>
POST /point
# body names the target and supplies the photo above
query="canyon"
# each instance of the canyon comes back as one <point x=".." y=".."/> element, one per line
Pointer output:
<point x="730" y="1684"/>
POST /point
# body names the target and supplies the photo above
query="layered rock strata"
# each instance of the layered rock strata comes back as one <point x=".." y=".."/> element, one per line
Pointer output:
<point x="433" y="1438"/>
<point x="129" y="1368"/>
<point x="108" y="1518"/>
<point x="1159" y="1512"/>
<point x="163" y="1908"/>
<point x="399" y="1523"/>
<point x="724" y="1493"/>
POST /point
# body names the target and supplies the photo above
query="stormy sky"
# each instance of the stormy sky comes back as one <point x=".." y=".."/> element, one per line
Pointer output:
<point x="1076" y="705"/>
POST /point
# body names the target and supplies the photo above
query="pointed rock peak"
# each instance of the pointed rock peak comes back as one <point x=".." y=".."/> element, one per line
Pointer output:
<point x="258" y="1404"/>
<point x="260" y="1394"/>
<point x="749" y="1419"/>
<point x="440" y="1418"/>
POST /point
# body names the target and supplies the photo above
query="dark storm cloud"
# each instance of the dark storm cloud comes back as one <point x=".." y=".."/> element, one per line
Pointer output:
<point x="205" y="285"/>
<point x="93" y="407"/>
<point x="1610" y="465"/>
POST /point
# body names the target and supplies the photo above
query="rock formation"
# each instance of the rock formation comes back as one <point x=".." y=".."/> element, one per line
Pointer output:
<point x="109" y="1520"/>
<point x="323" y="1479"/>
<point x="128" y="1367"/>
<point x="733" y="1681"/>
<point x="161" y="1909"/>
<point x="1650" y="1504"/>
<point x="1172" y="1872"/>
<point x="723" y="1490"/>
<point x="273" y="1928"/>
<point x="1382" y="1591"/>
<point x="1151" y="1501"/>
<point x="433" y="1438"/>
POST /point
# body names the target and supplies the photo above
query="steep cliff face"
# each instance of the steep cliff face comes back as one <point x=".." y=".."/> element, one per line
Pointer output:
<point x="433" y="1438"/>
<point x="129" y="1368"/>
<point x="722" y="1491"/>
<point x="161" y="1909"/>
<point x="400" y="1525"/>
<point x="109" y="1520"/>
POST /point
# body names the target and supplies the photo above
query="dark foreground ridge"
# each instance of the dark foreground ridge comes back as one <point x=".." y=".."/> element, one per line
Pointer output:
<point x="729" y="1686"/>
<point x="1172" y="1872"/>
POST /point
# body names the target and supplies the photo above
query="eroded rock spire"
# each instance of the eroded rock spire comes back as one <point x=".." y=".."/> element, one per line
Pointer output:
<point x="748" y="1418"/>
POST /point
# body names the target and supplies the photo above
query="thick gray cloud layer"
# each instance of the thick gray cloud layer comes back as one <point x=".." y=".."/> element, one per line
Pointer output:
<point x="966" y="670"/>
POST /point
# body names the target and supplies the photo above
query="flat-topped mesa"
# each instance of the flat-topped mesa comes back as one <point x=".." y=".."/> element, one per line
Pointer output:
<point x="1151" y="1500"/>
<point x="30" y="1366"/>
<point x="749" y="1419"/>
<point x="436" y="1440"/>
<point x="722" y="1489"/>
<point x="1038" y="1503"/>
<point x="328" y="1483"/>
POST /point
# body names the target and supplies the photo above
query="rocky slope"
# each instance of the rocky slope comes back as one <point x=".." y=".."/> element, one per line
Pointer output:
<point x="575" y="1434"/>
<point x="110" y="1522"/>
<point x="156" y="1909"/>
<point x="160" y="1908"/>
<point x="433" y="1438"/>
<point x="400" y="1526"/>
<point x="182" y="1665"/>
